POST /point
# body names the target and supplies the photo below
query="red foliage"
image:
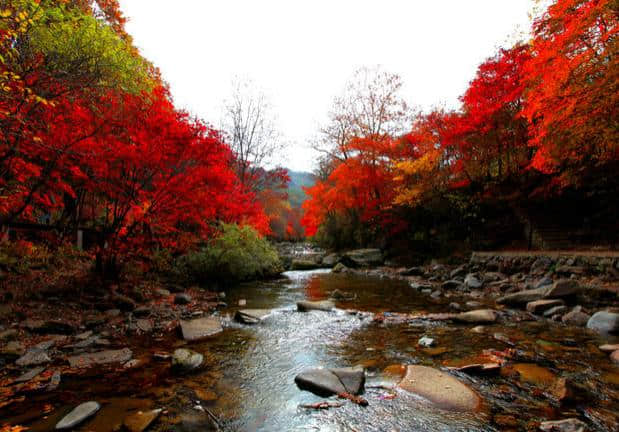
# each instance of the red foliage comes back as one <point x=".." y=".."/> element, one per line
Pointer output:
<point x="361" y="186"/>
<point x="572" y="79"/>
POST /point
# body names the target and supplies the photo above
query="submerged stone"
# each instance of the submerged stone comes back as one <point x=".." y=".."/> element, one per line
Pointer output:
<point x="139" y="421"/>
<point x="200" y="328"/>
<point x="440" y="388"/>
<point x="78" y="415"/>
<point x="101" y="357"/>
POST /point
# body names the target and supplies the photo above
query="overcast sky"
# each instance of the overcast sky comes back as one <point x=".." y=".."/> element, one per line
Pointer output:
<point x="301" y="53"/>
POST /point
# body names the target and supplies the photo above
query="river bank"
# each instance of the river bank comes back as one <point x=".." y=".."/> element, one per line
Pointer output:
<point x="118" y="350"/>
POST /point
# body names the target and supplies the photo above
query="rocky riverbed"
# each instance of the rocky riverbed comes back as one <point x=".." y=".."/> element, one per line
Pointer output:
<point x="497" y="343"/>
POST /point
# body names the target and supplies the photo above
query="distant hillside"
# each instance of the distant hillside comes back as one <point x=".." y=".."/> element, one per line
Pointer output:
<point x="298" y="180"/>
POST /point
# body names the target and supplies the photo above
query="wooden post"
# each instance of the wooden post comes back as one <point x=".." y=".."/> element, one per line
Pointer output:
<point x="80" y="239"/>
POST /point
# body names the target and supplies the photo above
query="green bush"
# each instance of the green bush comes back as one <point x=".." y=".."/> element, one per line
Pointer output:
<point x="239" y="253"/>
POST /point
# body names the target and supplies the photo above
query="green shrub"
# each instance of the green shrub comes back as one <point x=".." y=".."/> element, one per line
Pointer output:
<point x="239" y="253"/>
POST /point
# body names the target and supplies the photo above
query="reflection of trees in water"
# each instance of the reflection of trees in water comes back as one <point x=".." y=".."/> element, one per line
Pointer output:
<point x="315" y="289"/>
<point x="376" y="346"/>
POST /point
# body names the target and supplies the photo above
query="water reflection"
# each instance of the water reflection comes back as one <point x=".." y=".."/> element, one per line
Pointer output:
<point x="288" y="341"/>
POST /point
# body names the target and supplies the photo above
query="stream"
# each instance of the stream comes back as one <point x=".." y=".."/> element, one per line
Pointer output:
<point x="248" y="381"/>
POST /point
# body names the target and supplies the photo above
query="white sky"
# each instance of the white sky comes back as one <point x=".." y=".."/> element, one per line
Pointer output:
<point x="301" y="53"/>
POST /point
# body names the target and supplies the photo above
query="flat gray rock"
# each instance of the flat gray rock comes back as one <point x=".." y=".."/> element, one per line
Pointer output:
<point x="33" y="357"/>
<point x="251" y="316"/>
<point x="29" y="375"/>
<point x="563" y="288"/>
<point x="201" y="328"/>
<point x="324" y="305"/>
<point x="101" y="357"/>
<point x="523" y="297"/>
<point x="78" y="415"/>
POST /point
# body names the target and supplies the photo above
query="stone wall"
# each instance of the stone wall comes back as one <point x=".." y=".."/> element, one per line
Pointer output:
<point x="566" y="263"/>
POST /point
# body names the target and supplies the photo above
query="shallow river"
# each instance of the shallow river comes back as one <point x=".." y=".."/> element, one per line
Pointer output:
<point x="248" y="383"/>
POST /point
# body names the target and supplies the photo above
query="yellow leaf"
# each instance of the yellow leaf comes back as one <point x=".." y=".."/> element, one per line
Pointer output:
<point x="5" y="13"/>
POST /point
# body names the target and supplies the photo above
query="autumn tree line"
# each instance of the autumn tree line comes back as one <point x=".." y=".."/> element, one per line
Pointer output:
<point x="537" y="129"/>
<point x="90" y="138"/>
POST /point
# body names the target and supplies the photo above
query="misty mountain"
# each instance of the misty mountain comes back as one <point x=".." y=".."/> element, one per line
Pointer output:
<point x="299" y="180"/>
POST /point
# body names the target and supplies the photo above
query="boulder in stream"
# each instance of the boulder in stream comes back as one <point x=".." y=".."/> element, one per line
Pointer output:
<point x="440" y="388"/>
<point x="326" y="382"/>
<point x="78" y="415"/>
<point x="201" y="328"/>
<point x="323" y="305"/>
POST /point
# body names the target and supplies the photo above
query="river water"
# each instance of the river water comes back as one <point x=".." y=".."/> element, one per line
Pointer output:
<point x="248" y="382"/>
